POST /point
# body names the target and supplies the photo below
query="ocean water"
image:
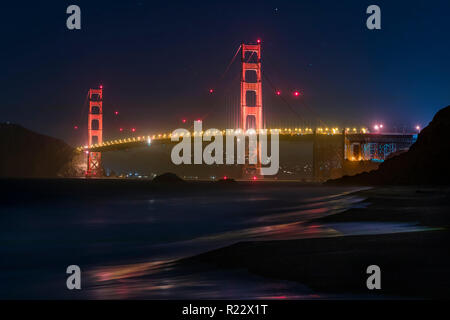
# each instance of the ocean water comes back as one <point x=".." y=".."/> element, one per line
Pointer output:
<point x="126" y="245"/>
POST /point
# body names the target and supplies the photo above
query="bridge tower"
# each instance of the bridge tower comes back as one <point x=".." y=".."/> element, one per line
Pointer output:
<point x="95" y="131"/>
<point x="251" y="90"/>
<point x="251" y="100"/>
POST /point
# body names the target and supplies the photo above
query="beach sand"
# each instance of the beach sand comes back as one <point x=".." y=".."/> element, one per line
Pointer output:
<point x="413" y="264"/>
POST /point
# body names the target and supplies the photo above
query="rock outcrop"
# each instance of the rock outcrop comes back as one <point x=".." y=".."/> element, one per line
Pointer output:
<point x="425" y="163"/>
<point x="167" y="177"/>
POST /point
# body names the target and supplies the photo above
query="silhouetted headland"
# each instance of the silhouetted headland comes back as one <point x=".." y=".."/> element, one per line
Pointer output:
<point x="32" y="155"/>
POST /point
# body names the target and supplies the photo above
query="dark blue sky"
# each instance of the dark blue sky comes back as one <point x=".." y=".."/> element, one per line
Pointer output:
<point x="157" y="61"/>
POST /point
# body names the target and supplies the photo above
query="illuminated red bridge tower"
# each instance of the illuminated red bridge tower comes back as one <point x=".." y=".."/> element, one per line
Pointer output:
<point x="95" y="131"/>
<point x="251" y="100"/>
<point x="251" y="93"/>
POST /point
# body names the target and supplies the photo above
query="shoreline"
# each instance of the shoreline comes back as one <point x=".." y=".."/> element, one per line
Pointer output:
<point x="413" y="264"/>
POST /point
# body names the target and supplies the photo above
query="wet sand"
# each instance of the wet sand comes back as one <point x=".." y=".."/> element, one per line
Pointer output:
<point x="413" y="264"/>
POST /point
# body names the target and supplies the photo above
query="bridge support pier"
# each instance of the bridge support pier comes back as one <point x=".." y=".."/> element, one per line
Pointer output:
<point x="95" y="131"/>
<point x="328" y="155"/>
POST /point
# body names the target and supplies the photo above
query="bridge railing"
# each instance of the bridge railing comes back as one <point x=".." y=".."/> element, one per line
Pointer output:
<point x="280" y="131"/>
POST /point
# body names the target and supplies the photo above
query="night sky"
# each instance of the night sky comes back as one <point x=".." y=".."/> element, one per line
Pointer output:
<point x="158" y="60"/>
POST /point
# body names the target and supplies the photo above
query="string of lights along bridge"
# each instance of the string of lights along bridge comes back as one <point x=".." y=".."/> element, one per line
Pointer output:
<point x="249" y="120"/>
<point x="168" y="135"/>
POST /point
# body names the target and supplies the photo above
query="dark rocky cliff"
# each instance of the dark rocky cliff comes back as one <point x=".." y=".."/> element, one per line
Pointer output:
<point x="25" y="153"/>
<point x="427" y="162"/>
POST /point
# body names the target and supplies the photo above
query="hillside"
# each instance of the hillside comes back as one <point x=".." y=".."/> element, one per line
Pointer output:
<point x="425" y="163"/>
<point x="29" y="154"/>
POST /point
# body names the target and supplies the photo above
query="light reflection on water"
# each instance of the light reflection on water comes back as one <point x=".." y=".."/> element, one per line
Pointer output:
<point x="162" y="280"/>
<point x="127" y="246"/>
<point x="167" y="284"/>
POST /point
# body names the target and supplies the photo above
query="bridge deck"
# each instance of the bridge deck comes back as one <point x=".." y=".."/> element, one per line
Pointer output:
<point x="284" y="135"/>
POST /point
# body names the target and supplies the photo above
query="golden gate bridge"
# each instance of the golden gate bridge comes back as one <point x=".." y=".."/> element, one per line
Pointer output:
<point x="353" y="144"/>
